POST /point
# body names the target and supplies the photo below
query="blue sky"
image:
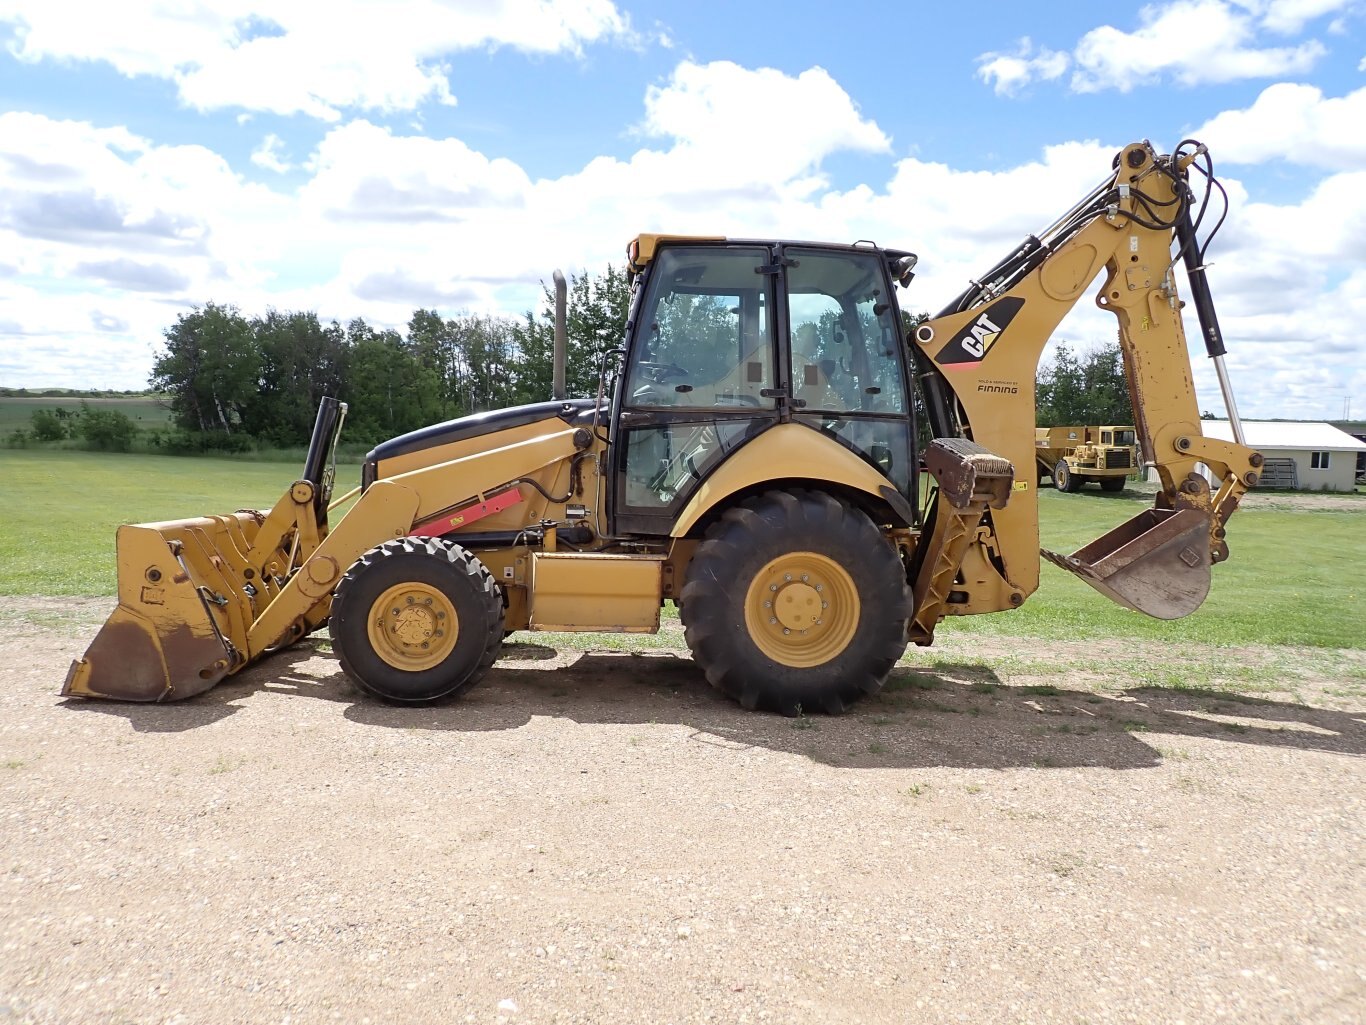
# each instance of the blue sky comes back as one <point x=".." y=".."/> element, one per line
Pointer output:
<point x="451" y="155"/>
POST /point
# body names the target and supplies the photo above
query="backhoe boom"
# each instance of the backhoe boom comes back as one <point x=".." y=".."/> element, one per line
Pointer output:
<point x="980" y="356"/>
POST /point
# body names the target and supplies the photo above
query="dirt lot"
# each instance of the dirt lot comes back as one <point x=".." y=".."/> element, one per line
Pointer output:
<point x="597" y="837"/>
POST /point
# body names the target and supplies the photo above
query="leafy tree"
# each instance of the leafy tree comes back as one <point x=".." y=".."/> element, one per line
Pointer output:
<point x="1083" y="389"/>
<point x="47" y="425"/>
<point x="388" y="390"/>
<point x="211" y="368"/>
<point x="472" y="356"/>
<point x="109" y="430"/>
<point x="595" y="319"/>
<point x="300" y="362"/>
<point x="1106" y="389"/>
<point x="434" y="344"/>
<point x="533" y="363"/>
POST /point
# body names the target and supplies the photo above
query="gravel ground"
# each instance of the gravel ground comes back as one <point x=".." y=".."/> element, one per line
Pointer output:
<point x="597" y="837"/>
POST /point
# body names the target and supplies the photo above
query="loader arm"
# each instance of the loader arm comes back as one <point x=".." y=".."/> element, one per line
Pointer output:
<point x="979" y="357"/>
<point x="203" y="598"/>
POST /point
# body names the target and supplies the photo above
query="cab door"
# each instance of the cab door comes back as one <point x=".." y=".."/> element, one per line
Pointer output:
<point x="700" y="378"/>
<point x="848" y="357"/>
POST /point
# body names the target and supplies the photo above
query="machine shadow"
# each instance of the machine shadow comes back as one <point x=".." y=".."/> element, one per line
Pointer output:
<point x="954" y="715"/>
<point x="283" y="670"/>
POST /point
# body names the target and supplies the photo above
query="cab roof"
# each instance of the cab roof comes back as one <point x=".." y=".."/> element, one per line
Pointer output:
<point x="643" y="247"/>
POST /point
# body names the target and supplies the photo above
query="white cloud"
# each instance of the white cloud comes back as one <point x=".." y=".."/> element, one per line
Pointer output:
<point x="1008" y="73"/>
<point x="270" y="155"/>
<point x="1295" y="123"/>
<point x="366" y="173"/>
<point x="111" y="233"/>
<point x="1194" y="41"/>
<point x="286" y="57"/>
<point x="1290" y="16"/>
<point x="1191" y="42"/>
<point x="107" y="235"/>
<point x="760" y="123"/>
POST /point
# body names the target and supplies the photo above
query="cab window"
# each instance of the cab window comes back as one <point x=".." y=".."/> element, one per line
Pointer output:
<point x="846" y="346"/>
<point x="705" y="338"/>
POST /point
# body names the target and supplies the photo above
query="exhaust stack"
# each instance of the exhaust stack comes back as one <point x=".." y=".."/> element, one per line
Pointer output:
<point x="558" y="390"/>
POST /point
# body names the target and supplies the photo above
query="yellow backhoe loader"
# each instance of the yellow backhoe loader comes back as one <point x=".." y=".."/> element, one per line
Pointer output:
<point x="751" y="456"/>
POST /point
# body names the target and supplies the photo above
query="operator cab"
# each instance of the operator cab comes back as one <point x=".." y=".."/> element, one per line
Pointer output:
<point x="728" y="338"/>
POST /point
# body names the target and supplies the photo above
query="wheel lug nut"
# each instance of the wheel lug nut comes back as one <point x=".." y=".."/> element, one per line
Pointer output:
<point x="772" y="620"/>
<point x="825" y="604"/>
<point x="805" y="577"/>
<point x="819" y="587"/>
<point x="768" y="605"/>
<point x="786" y="631"/>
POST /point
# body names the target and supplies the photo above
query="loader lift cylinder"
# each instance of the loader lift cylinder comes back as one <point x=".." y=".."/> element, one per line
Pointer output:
<point x="325" y="428"/>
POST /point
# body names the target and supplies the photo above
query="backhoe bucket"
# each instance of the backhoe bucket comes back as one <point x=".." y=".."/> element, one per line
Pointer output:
<point x="1157" y="563"/>
<point x="185" y="590"/>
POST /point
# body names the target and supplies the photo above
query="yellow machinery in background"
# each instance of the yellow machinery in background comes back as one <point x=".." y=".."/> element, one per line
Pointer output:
<point x="753" y="458"/>
<point x="1073" y="456"/>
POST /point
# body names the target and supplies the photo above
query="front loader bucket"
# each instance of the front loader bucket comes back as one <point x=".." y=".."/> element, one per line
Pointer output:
<point x="1157" y="563"/>
<point x="183" y="588"/>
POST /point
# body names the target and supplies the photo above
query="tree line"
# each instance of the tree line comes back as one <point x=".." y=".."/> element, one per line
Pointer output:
<point x="235" y="381"/>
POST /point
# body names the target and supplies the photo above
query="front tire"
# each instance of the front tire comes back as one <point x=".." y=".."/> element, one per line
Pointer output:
<point x="795" y="602"/>
<point x="416" y="620"/>
<point x="1064" y="479"/>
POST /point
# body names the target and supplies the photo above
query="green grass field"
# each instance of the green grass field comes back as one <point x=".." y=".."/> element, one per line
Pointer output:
<point x="146" y="411"/>
<point x="1296" y="575"/>
<point x="59" y="509"/>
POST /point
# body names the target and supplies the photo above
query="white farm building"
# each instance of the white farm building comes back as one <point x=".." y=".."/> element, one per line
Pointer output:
<point x="1307" y="456"/>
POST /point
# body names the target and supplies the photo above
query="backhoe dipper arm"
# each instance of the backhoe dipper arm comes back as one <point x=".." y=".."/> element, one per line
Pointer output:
<point x="979" y="358"/>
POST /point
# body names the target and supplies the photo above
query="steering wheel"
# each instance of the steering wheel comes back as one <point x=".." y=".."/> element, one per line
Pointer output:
<point x="661" y="372"/>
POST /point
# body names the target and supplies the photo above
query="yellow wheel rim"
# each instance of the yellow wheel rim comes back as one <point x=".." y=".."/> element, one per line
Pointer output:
<point x="802" y="609"/>
<point x="412" y="626"/>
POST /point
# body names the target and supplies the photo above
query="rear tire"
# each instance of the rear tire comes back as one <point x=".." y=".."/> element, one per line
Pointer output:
<point x="795" y="602"/>
<point x="416" y="620"/>
<point x="1112" y="483"/>
<point x="1064" y="479"/>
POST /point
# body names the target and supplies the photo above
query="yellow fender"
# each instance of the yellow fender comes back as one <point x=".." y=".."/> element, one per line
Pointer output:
<point x="787" y="452"/>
